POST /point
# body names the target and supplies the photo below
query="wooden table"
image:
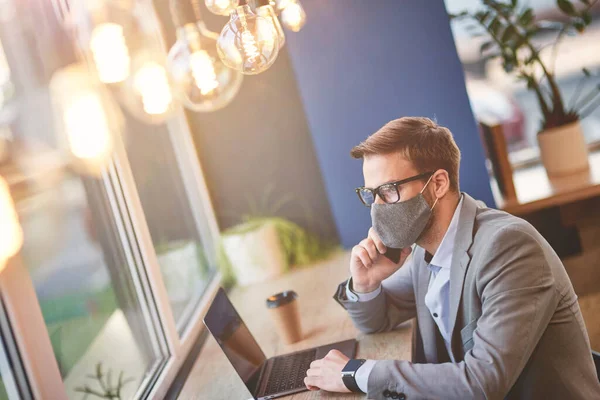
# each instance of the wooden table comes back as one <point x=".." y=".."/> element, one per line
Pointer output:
<point x="323" y="320"/>
<point x="535" y="191"/>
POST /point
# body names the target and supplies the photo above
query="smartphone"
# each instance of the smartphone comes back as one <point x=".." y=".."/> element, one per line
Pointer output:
<point x="393" y="254"/>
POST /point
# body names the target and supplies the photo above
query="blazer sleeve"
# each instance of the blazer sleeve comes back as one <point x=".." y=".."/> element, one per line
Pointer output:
<point x="518" y="300"/>
<point x="394" y="305"/>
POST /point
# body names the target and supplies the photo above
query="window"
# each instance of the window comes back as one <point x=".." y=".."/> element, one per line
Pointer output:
<point x="180" y="233"/>
<point x="3" y="394"/>
<point x="4" y="371"/>
<point x="116" y="270"/>
<point x="497" y="97"/>
<point x="3" y="367"/>
<point x="13" y="383"/>
<point x="85" y="278"/>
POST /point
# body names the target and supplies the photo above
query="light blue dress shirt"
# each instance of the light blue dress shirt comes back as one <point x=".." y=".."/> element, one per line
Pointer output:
<point x="437" y="298"/>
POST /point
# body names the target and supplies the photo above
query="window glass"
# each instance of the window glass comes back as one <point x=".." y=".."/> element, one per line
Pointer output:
<point x="82" y="274"/>
<point x="175" y="225"/>
<point x="8" y="371"/>
<point x="3" y="394"/>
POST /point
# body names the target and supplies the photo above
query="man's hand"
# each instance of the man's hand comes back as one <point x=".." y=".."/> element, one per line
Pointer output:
<point x="369" y="267"/>
<point x="326" y="373"/>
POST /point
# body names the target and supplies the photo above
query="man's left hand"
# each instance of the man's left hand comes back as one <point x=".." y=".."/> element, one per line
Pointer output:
<point x="326" y="373"/>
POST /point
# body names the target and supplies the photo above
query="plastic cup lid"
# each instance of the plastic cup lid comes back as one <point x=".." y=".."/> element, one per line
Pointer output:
<point x="281" y="299"/>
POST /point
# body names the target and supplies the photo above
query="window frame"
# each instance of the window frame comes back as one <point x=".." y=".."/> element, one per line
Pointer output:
<point x="197" y="190"/>
<point x="26" y="321"/>
<point x="24" y="311"/>
<point x="11" y="369"/>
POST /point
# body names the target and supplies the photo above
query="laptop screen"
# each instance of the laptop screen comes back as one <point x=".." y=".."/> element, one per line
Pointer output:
<point x="238" y="344"/>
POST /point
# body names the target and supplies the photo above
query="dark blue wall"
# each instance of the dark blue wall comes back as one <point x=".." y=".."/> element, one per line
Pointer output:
<point x="361" y="63"/>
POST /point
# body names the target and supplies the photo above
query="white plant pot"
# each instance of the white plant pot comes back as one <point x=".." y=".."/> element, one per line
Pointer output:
<point x="255" y="256"/>
<point x="181" y="271"/>
<point x="563" y="150"/>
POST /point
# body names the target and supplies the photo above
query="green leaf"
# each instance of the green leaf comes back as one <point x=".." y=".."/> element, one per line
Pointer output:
<point x="459" y="15"/>
<point x="509" y="34"/>
<point x="522" y="40"/>
<point x="482" y="16"/>
<point x="514" y="3"/>
<point x="530" y="83"/>
<point x="526" y="17"/>
<point x="580" y="26"/>
<point x="586" y="72"/>
<point x="586" y="17"/>
<point x="495" y="26"/>
<point x="567" y="7"/>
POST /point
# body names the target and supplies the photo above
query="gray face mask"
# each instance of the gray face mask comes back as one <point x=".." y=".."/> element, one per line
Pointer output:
<point x="399" y="225"/>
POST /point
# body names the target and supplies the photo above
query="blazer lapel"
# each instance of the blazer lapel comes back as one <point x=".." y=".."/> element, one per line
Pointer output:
<point x="427" y="325"/>
<point x="460" y="256"/>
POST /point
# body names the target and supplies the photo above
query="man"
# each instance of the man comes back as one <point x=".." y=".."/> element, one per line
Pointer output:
<point x="496" y="313"/>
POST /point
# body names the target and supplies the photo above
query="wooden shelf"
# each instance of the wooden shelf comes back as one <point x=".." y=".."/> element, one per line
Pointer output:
<point x="535" y="191"/>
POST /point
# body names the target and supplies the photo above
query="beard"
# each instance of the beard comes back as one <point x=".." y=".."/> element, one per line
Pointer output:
<point x="430" y="231"/>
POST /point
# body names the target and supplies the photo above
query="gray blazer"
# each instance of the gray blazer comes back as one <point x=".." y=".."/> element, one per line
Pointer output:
<point x="517" y="331"/>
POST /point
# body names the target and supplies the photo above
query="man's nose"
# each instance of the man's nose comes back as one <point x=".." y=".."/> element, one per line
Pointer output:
<point x="378" y="200"/>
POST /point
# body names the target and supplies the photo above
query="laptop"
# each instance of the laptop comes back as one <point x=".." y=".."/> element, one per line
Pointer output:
<point x="265" y="378"/>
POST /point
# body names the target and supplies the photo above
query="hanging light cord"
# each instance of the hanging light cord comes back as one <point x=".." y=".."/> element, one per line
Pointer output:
<point x="174" y="8"/>
<point x="179" y="11"/>
<point x="196" y="8"/>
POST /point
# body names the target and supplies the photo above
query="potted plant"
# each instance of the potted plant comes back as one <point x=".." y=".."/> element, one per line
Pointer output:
<point x="510" y="29"/>
<point x="264" y="246"/>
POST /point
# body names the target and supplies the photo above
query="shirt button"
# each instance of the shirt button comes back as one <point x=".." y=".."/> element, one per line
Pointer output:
<point x="435" y="315"/>
<point x="395" y="395"/>
<point x="402" y="396"/>
<point x="386" y="394"/>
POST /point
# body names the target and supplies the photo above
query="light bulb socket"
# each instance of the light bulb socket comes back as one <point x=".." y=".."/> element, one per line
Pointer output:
<point x="243" y="9"/>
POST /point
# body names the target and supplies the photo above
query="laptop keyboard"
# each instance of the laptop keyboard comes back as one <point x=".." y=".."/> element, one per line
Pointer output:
<point x="288" y="372"/>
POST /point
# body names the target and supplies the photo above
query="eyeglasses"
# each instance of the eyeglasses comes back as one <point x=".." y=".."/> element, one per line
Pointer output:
<point x="388" y="192"/>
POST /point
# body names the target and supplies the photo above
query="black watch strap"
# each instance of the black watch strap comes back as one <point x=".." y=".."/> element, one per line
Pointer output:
<point x="349" y="375"/>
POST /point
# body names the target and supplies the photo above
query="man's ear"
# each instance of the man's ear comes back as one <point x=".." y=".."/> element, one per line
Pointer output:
<point x="441" y="183"/>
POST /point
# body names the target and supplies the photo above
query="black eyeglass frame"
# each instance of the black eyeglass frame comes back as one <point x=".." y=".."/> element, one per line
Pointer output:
<point x="375" y="192"/>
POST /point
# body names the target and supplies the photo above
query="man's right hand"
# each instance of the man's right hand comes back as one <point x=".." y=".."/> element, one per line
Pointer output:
<point x="369" y="267"/>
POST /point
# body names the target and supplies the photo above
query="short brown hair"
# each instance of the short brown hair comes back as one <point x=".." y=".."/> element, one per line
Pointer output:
<point x="422" y="141"/>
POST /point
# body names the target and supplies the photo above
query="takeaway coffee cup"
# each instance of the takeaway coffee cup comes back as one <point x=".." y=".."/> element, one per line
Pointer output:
<point x="283" y="308"/>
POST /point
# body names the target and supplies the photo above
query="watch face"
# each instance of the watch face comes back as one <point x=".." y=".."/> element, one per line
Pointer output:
<point x="353" y="365"/>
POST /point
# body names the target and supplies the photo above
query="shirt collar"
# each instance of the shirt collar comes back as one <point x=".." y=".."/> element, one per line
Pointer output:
<point x="443" y="256"/>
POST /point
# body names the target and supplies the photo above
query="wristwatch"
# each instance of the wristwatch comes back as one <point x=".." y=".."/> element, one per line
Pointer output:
<point x="349" y="373"/>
